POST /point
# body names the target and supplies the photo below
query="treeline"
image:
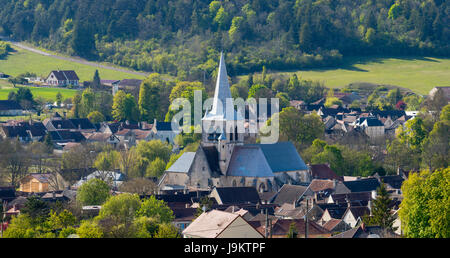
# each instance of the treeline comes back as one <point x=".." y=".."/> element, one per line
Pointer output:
<point x="183" y="37"/>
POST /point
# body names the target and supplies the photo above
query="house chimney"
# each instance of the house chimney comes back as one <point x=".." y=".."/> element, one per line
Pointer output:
<point x="369" y="205"/>
<point x="53" y="195"/>
<point x="348" y="202"/>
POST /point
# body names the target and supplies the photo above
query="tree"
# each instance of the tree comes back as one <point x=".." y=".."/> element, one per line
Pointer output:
<point x="436" y="147"/>
<point x="141" y="186"/>
<point x="83" y="41"/>
<point x="15" y="161"/>
<point x="167" y="230"/>
<point x="96" y="82"/>
<point x="381" y="212"/>
<point x="87" y="103"/>
<point x="76" y="108"/>
<point x="299" y="128"/>
<point x="153" y="208"/>
<point x="121" y="209"/>
<point x="149" y="98"/>
<point x="20" y="226"/>
<point x="89" y="229"/>
<point x="125" y="107"/>
<point x="96" y="117"/>
<point x="37" y="209"/>
<point x="258" y="91"/>
<point x="292" y="233"/>
<point x="93" y="192"/>
<point x="59" y="99"/>
<point x="424" y="211"/>
<point x="61" y="220"/>
<point x="147" y="152"/>
<point x="156" y="168"/>
<point x="106" y="162"/>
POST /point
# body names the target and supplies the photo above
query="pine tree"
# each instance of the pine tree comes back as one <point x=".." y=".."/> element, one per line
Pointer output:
<point x="96" y="81"/>
<point x="381" y="211"/>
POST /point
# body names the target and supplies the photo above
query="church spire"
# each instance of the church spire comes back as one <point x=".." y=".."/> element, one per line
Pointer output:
<point x="222" y="92"/>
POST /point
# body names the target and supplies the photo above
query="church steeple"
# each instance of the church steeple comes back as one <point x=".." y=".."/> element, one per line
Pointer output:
<point x="222" y="92"/>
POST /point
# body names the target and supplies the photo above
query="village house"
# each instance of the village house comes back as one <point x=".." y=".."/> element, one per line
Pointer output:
<point x="354" y="214"/>
<point x="220" y="224"/>
<point x="10" y="108"/>
<point x="24" y="131"/>
<point x="163" y="131"/>
<point x="62" y="78"/>
<point x="38" y="183"/>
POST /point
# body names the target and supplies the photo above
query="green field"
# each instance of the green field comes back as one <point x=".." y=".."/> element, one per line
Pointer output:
<point x="419" y="74"/>
<point x="26" y="61"/>
<point x="46" y="93"/>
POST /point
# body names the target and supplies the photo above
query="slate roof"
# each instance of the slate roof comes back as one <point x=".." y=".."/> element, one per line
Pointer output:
<point x="183" y="163"/>
<point x="249" y="161"/>
<point x="43" y="178"/>
<point x="65" y="75"/>
<point x="212" y="157"/>
<point x="15" y="131"/>
<point x="65" y="135"/>
<point x="394" y="181"/>
<point x="9" y="105"/>
<point x="130" y="82"/>
<point x="394" y="114"/>
<point x="63" y="124"/>
<point x="361" y="198"/>
<point x="366" y="232"/>
<point x="362" y="185"/>
<point x="238" y="195"/>
<point x="281" y="227"/>
<point x="163" y="126"/>
<point x="374" y="122"/>
<point x="336" y="212"/>
<point x="183" y="214"/>
<point x="82" y="123"/>
<point x="7" y="193"/>
<point x="358" y="211"/>
<point x="289" y="194"/>
<point x="282" y="157"/>
<point x="323" y="171"/>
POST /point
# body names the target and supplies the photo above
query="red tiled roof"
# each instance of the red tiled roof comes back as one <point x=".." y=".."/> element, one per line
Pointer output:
<point x="323" y="171"/>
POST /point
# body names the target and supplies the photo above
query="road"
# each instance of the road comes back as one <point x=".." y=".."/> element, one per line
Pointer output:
<point x="71" y="59"/>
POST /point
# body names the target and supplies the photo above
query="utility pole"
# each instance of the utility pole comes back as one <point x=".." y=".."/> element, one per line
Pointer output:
<point x="267" y="224"/>
<point x="306" y="218"/>
<point x="3" y="217"/>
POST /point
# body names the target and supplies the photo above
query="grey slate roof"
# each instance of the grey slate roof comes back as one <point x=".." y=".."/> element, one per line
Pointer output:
<point x="282" y="157"/>
<point x="9" y="105"/>
<point x="289" y="194"/>
<point x="183" y="163"/>
<point x="66" y="75"/>
<point x="238" y="195"/>
<point x="249" y="161"/>
<point x="362" y="185"/>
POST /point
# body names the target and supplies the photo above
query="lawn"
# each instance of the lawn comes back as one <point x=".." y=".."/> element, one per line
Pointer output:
<point x="419" y="74"/>
<point x="46" y="93"/>
<point x="26" y="61"/>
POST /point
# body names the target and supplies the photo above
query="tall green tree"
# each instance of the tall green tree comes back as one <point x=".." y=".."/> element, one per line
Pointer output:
<point x="125" y="107"/>
<point x="93" y="192"/>
<point x="424" y="211"/>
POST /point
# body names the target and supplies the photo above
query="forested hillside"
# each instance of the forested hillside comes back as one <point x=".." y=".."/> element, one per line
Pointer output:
<point x="184" y="37"/>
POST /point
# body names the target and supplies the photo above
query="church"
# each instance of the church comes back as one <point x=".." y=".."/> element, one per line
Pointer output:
<point x="224" y="160"/>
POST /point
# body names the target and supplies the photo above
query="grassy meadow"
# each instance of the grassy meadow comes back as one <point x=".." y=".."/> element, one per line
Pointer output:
<point x="46" y="93"/>
<point x="23" y="60"/>
<point x="419" y="74"/>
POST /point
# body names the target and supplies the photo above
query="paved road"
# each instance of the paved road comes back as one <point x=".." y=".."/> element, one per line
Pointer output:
<point x="71" y="59"/>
